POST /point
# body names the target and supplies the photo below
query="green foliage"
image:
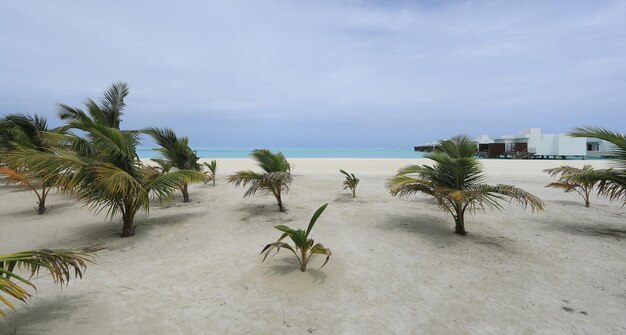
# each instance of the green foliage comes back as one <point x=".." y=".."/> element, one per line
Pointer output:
<point x="612" y="183"/>
<point x="350" y="182"/>
<point x="108" y="113"/>
<point x="571" y="179"/>
<point x="275" y="178"/>
<point x="176" y="153"/>
<point x="24" y="131"/>
<point x="174" y="149"/>
<point x="211" y="170"/>
<point x="59" y="263"/>
<point x="304" y="247"/>
<point x="163" y="165"/>
<point x="456" y="183"/>
<point x="101" y="166"/>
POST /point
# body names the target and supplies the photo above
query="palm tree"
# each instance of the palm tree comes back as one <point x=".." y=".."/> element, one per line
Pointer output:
<point x="455" y="181"/>
<point x="177" y="154"/>
<point x="571" y="179"/>
<point x="24" y="131"/>
<point x="275" y="178"/>
<point x="212" y="169"/>
<point x="304" y="247"/>
<point x="611" y="182"/>
<point x="101" y="167"/>
<point x="350" y="182"/>
<point x="60" y="264"/>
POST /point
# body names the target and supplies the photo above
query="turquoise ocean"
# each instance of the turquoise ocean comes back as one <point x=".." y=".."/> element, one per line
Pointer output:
<point x="298" y="153"/>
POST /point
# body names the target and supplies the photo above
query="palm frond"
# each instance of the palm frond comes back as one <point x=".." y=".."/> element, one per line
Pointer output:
<point x="61" y="265"/>
<point x="113" y="103"/>
<point x="518" y="195"/>
<point x="616" y="138"/>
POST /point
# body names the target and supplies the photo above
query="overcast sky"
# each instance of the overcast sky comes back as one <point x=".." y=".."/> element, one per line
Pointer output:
<point x="322" y="73"/>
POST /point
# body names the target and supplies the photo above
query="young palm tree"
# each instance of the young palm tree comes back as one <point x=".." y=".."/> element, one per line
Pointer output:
<point x="455" y="181"/>
<point x="60" y="264"/>
<point x="212" y="169"/>
<point x="24" y="131"/>
<point x="101" y="167"/>
<point x="275" y="178"/>
<point x="581" y="181"/>
<point x="176" y="153"/>
<point x="350" y="182"/>
<point x="611" y="182"/>
<point x="164" y="166"/>
<point x="304" y="247"/>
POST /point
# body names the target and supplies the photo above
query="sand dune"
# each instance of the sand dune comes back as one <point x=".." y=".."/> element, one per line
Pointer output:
<point x="397" y="267"/>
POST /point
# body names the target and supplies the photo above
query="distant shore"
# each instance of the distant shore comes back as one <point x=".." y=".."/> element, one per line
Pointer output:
<point x="300" y="152"/>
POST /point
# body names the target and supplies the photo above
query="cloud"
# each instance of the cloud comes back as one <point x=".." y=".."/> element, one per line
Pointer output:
<point x="326" y="73"/>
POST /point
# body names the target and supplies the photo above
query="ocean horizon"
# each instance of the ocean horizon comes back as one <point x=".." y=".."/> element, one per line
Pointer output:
<point x="298" y="152"/>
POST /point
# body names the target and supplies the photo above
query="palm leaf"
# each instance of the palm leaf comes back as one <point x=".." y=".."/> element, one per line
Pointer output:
<point x="61" y="265"/>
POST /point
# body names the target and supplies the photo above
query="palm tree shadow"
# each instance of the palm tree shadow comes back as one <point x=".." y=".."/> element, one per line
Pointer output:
<point x="254" y="211"/>
<point x="567" y="203"/>
<point x="11" y="188"/>
<point x="168" y="219"/>
<point x="344" y="197"/>
<point x="586" y="229"/>
<point x="52" y="208"/>
<point x="103" y="233"/>
<point x="439" y="232"/>
<point x="33" y="318"/>
<point x="289" y="266"/>
<point x="430" y="227"/>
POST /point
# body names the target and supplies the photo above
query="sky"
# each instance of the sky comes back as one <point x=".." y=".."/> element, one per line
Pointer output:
<point x="349" y="74"/>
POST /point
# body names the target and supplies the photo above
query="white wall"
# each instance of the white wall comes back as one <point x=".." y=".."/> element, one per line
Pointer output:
<point x="571" y="146"/>
<point x="556" y="144"/>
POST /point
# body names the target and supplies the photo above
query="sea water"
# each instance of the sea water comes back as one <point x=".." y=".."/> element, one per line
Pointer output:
<point x="298" y="153"/>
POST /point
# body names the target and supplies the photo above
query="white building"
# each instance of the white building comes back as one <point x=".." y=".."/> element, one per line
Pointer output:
<point x="532" y="143"/>
<point x="599" y="148"/>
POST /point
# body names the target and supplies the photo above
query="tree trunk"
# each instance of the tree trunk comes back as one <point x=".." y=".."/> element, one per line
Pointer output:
<point x="459" y="221"/>
<point x="41" y="204"/>
<point x="128" y="229"/>
<point x="213" y="180"/>
<point x="41" y="207"/>
<point x="185" y="192"/>
<point x="353" y="193"/>
<point x="280" y="201"/>
<point x="304" y="260"/>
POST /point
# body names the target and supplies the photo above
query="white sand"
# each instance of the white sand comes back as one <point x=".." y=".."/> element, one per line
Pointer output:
<point x="397" y="267"/>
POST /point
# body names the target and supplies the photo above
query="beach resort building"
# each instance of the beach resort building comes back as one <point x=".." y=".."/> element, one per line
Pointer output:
<point x="599" y="148"/>
<point x="531" y="143"/>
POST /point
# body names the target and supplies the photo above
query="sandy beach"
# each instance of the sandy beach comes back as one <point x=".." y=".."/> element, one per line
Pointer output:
<point x="397" y="267"/>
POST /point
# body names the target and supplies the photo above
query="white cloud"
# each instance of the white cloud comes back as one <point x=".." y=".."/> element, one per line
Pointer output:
<point x="406" y="71"/>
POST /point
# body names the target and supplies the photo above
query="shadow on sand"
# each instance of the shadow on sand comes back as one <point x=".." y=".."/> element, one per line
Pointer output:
<point x="441" y="232"/>
<point x="52" y="207"/>
<point x="567" y="203"/>
<point x="585" y="229"/>
<point x="288" y="266"/>
<point x="31" y="319"/>
<point x="168" y="219"/>
<point x="104" y="232"/>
